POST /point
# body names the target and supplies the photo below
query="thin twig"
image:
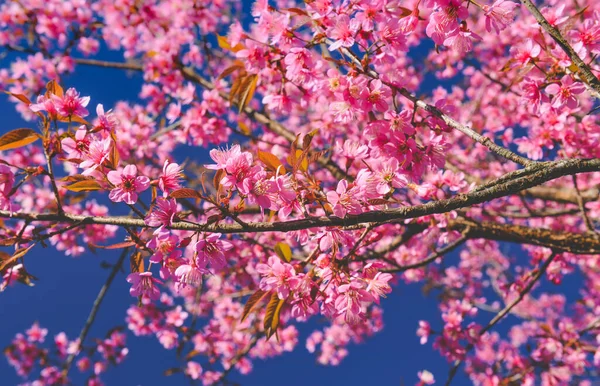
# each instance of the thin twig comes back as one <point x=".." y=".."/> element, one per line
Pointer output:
<point x="53" y="181"/>
<point x="95" y="307"/>
<point x="581" y="204"/>
<point x="435" y="255"/>
<point x="504" y="312"/>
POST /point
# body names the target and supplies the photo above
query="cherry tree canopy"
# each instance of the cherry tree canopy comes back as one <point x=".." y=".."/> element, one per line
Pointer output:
<point x="356" y="146"/>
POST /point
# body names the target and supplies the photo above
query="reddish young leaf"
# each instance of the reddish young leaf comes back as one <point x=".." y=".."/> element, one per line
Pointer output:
<point x="15" y="256"/>
<point x="84" y="186"/>
<point x="18" y="138"/>
<point x="124" y="244"/>
<point x="243" y="93"/>
<point x="272" y="314"/>
<point x="271" y="161"/>
<point x="136" y="262"/>
<point x="252" y="302"/>
<point x="185" y="193"/>
<point x="20" y="97"/>
<point x="53" y="88"/>
<point x="224" y="44"/>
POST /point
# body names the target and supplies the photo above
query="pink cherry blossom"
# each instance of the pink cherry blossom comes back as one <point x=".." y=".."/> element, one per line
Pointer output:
<point x="499" y="15"/>
<point x="349" y="301"/>
<point x="71" y="104"/>
<point x="170" y="178"/>
<point x="7" y="180"/>
<point x="211" y="250"/>
<point x="278" y="276"/>
<point x="163" y="213"/>
<point x="342" y="32"/>
<point x="77" y="147"/>
<point x="97" y="154"/>
<point x="143" y="284"/>
<point x="343" y="200"/>
<point x="564" y="93"/>
<point x="127" y="184"/>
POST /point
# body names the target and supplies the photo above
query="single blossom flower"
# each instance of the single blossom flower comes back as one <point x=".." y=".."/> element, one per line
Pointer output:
<point x="278" y="276"/>
<point x="525" y="53"/>
<point x="426" y="378"/>
<point x="378" y="286"/>
<point x="349" y="301"/>
<point x="163" y="213"/>
<point x="71" y="104"/>
<point x="106" y="122"/>
<point x="260" y="190"/>
<point x="170" y="178"/>
<point x="193" y="370"/>
<point x="342" y="33"/>
<point x="211" y="251"/>
<point x="564" y="93"/>
<point x="98" y="153"/>
<point x="499" y="15"/>
<point x="78" y="146"/>
<point x="343" y="200"/>
<point x="222" y="157"/>
<point x="7" y="180"/>
<point x="143" y="284"/>
<point x="165" y="246"/>
<point x="189" y="275"/>
<point x="127" y="184"/>
<point x="44" y="104"/>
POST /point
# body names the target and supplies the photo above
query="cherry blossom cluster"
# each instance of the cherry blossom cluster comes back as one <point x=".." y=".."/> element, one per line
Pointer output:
<point x="29" y="356"/>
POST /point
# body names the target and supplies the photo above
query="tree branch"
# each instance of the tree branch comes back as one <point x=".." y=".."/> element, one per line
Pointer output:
<point x="584" y="71"/>
<point x="435" y="255"/>
<point x="578" y="243"/>
<point x="504" y="312"/>
<point x="545" y="172"/>
<point x="95" y="307"/>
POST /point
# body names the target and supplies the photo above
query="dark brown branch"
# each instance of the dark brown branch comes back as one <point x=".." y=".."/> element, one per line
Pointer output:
<point x="579" y="243"/>
<point x="545" y="172"/>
